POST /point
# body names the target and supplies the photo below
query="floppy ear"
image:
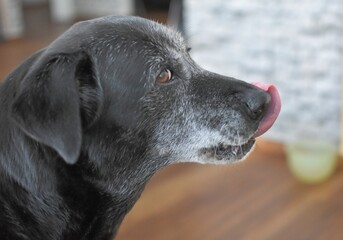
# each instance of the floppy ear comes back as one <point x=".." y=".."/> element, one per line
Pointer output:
<point x="49" y="105"/>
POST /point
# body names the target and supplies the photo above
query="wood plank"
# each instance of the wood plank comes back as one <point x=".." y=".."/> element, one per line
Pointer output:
<point x="256" y="199"/>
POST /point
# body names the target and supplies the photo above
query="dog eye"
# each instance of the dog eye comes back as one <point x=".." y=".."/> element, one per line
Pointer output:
<point x="164" y="76"/>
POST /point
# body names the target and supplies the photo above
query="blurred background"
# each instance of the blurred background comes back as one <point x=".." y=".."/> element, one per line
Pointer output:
<point x="291" y="186"/>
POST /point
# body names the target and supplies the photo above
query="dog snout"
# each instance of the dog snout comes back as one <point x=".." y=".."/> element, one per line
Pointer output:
<point x="256" y="103"/>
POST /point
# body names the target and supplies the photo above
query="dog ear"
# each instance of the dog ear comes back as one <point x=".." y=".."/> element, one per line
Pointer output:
<point x="58" y="97"/>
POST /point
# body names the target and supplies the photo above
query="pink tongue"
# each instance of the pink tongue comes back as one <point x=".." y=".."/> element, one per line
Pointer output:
<point x="273" y="110"/>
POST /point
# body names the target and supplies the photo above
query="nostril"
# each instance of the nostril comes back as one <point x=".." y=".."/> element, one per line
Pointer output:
<point x="257" y="105"/>
<point x="255" y="112"/>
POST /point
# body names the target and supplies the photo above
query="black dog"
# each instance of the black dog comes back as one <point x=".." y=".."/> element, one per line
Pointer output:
<point x="88" y="120"/>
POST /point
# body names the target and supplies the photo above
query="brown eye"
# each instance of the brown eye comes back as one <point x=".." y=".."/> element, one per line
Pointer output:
<point x="164" y="77"/>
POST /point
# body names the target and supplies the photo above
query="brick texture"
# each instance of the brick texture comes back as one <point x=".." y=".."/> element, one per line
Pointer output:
<point x="297" y="45"/>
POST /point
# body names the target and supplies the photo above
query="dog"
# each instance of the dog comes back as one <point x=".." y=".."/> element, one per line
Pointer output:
<point x="86" y="122"/>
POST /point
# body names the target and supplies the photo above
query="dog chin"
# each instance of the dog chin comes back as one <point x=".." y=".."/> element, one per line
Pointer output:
<point x="224" y="153"/>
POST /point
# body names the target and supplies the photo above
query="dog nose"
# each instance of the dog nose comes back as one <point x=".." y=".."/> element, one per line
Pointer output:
<point x="256" y="103"/>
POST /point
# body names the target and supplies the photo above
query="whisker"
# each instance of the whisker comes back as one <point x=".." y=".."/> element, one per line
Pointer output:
<point x="240" y="146"/>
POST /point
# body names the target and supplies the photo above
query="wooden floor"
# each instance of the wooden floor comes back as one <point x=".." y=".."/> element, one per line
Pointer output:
<point x="254" y="200"/>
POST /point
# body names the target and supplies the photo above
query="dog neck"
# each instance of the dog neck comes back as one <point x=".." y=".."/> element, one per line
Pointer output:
<point x="89" y="198"/>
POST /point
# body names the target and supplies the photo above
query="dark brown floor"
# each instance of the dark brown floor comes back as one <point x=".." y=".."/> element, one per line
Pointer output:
<point x="255" y="200"/>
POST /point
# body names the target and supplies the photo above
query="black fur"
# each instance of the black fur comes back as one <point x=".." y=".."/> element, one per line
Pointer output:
<point x="84" y="125"/>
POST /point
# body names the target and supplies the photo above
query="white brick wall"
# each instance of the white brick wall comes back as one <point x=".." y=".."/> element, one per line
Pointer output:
<point x="295" y="44"/>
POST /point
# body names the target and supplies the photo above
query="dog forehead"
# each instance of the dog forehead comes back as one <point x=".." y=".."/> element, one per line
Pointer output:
<point x="146" y="27"/>
<point x="144" y="33"/>
<point x="119" y="32"/>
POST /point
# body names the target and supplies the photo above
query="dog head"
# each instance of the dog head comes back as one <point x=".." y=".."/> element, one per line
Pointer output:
<point x="125" y="79"/>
